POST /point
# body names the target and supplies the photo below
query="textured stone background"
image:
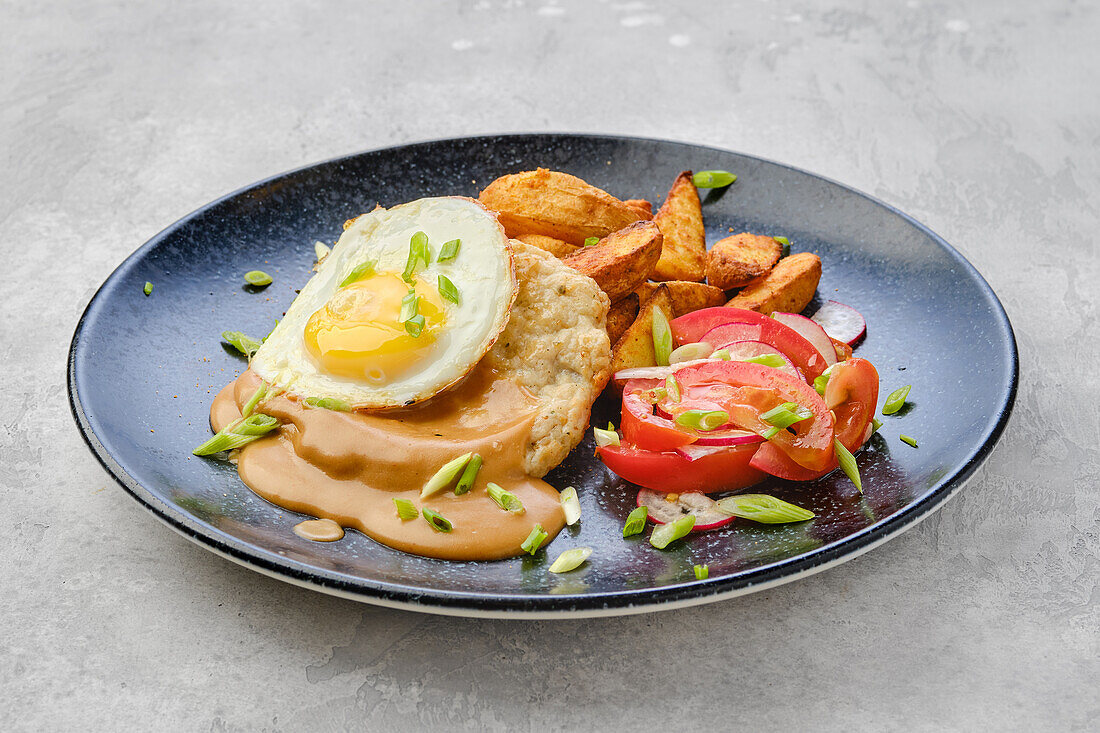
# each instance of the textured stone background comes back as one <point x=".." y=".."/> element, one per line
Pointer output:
<point x="980" y="118"/>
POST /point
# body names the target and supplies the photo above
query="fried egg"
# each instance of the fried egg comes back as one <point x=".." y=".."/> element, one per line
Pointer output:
<point x="374" y="332"/>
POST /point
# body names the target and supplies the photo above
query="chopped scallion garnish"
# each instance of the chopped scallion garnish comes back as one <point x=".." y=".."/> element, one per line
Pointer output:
<point x="667" y="533"/>
<point x="785" y="415"/>
<point x="770" y="433"/>
<point x="875" y="424"/>
<point x="438" y="521"/>
<point x="570" y="559"/>
<point x="672" y="388"/>
<point x="690" y="352"/>
<point x="662" y="337"/>
<point x="605" y="437"/>
<point x="534" y="540"/>
<point x="449" y="250"/>
<point x="705" y="420"/>
<point x="469" y="475"/>
<point x="358" y="272"/>
<point x="769" y="360"/>
<point x="255" y="399"/>
<point x="786" y="244"/>
<point x="722" y="354"/>
<point x="763" y="508"/>
<point x="570" y="505"/>
<point x="591" y="241"/>
<point x="702" y="572"/>
<point x="405" y="509"/>
<point x="415" y="326"/>
<point x="238" y="433"/>
<point x="635" y="521"/>
<point x="410" y="305"/>
<point x="257" y="278"/>
<point x="713" y="179"/>
<point x="148" y="289"/>
<point x="446" y="475"/>
<point x="419" y="253"/>
<point x="447" y="289"/>
<point x="907" y="440"/>
<point x="896" y="400"/>
<point x="506" y="500"/>
<point x="244" y="344"/>
<point x="848" y="463"/>
<point x="329" y="403"/>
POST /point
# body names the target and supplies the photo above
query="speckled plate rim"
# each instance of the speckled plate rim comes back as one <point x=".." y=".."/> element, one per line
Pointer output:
<point x="472" y="604"/>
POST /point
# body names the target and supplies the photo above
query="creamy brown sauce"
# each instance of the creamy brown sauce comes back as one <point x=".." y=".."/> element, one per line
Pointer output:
<point x="349" y="466"/>
<point x="319" y="530"/>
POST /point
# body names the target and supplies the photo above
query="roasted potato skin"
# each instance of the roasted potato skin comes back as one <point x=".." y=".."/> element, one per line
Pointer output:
<point x="555" y="204"/>
<point x="621" y="261"/>
<point x="556" y="247"/>
<point x="635" y="347"/>
<point x="789" y="287"/>
<point x="622" y="314"/>
<point x="736" y="261"/>
<point x="642" y="206"/>
<point x="686" y="296"/>
<point x="681" y="221"/>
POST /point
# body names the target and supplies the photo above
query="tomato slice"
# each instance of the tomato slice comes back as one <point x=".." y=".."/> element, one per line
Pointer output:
<point x="746" y="391"/>
<point x="644" y="429"/>
<point x="690" y="327"/>
<point x="852" y="394"/>
<point x="784" y="338"/>
<point x="669" y="472"/>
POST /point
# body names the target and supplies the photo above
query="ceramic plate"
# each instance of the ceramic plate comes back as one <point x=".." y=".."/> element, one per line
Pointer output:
<point x="143" y="371"/>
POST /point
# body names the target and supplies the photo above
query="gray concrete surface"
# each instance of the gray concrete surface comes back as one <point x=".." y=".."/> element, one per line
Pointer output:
<point x="980" y="118"/>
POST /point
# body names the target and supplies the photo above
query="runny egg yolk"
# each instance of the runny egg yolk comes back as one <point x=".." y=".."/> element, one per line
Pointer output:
<point x="359" y="333"/>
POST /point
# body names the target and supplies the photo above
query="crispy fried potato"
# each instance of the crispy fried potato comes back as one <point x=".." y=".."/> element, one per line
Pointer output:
<point x="621" y="315"/>
<point x="681" y="221"/>
<point x="789" y="287"/>
<point x="635" y="347"/>
<point x="735" y="261"/>
<point x="557" y="205"/>
<point x="554" y="246"/>
<point x="622" y="260"/>
<point x="686" y="296"/>
<point x="642" y="206"/>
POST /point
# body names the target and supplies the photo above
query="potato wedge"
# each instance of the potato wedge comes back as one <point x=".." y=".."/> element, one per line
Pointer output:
<point x="554" y="246"/>
<point x="642" y="206"/>
<point x="686" y="296"/>
<point x="622" y="260"/>
<point x="557" y="205"/>
<point x="681" y="221"/>
<point x="789" y="287"/>
<point x="635" y="347"/>
<point x="621" y="315"/>
<point x="735" y="261"/>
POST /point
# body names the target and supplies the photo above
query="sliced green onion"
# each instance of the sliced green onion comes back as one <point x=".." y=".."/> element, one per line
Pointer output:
<point x="244" y="344"/>
<point x="238" y="433"/>
<point x="265" y="338"/>
<point x="415" y="326"/>
<point x="447" y="289"/>
<point x="605" y="437"/>
<point x="875" y="424"/>
<point x="821" y="382"/>
<point x="438" y="521"/>
<point x="418" y="253"/>
<point x="445" y="476"/>
<point x="254" y="400"/>
<point x="786" y="246"/>
<point x="896" y="399"/>
<point x="570" y="559"/>
<point x="570" y="505"/>
<point x="534" y="540"/>
<point x="257" y="278"/>
<point x="655" y="395"/>
<point x="785" y="415"/>
<point x="321" y="250"/>
<point x="469" y="475"/>
<point x="723" y="354"/>
<point x="405" y="509"/>
<point x="672" y="388"/>
<point x="358" y="272"/>
<point x="848" y="463"/>
<point x="329" y="403"/>
<point x="506" y="500"/>
<point x="662" y="337"/>
<point x="770" y="433"/>
<point x="671" y="531"/>
<point x="705" y="420"/>
<point x="702" y="572"/>
<point x="713" y="179"/>
<point x="148" y="289"/>
<point x="763" y="508"/>
<point x="591" y="241"/>
<point x="449" y="250"/>
<point x="635" y="521"/>
<point x="410" y="304"/>
<point x="690" y="352"/>
<point x="769" y="360"/>
<point x="907" y="440"/>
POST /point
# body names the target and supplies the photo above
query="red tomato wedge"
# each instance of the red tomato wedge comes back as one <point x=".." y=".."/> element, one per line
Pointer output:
<point x="670" y="472"/>
<point x="852" y="394"/>
<point x="643" y="429"/>
<point x="786" y="340"/>
<point x="746" y="391"/>
<point x="690" y="327"/>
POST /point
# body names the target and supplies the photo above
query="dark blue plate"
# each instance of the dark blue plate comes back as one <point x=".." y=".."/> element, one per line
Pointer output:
<point x="143" y="370"/>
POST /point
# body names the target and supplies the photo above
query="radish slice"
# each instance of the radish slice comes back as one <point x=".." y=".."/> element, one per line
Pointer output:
<point x="662" y="511"/>
<point x="654" y="372"/>
<point x="726" y="437"/>
<point x="842" y="322"/>
<point x="811" y="331"/>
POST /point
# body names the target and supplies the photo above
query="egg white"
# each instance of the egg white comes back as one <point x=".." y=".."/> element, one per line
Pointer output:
<point x="483" y="272"/>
